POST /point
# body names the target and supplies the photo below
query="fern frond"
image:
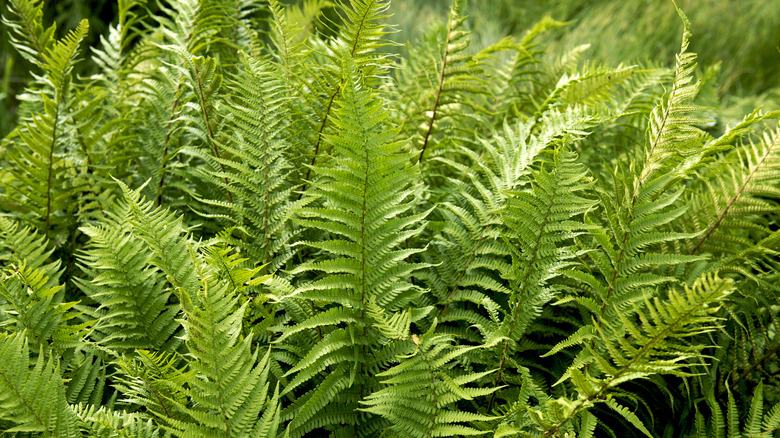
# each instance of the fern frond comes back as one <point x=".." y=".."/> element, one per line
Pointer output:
<point x="135" y="308"/>
<point x="438" y="77"/>
<point x="155" y="382"/>
<point x="361" y="36"/>
<point x="651" y="339"/>
<point x="31" y="297"/>
<point x="26" y="30"/>
<point x="40" y="166"/>
<point x="542" y="222"/>
<point x="164" y="237"/>
<point x="107" y="423"/>
<point x="22" y="390"/>
<point x="471" y="254"/>
<point x="231" y="388"/>
<point x="421" y="392"/>
<point x="364" y="201"/>
<point x="734" y="193"/>
<point x="256" y="170"/>
<point x="672" y="132"/>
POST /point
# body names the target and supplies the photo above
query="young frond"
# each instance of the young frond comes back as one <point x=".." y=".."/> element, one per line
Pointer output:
<point x="672" y="132"/>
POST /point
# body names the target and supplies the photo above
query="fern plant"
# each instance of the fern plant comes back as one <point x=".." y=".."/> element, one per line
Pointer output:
<point x="256" y="219"/>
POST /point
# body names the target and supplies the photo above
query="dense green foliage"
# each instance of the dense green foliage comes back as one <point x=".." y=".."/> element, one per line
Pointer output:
<point x="253" y="219"/>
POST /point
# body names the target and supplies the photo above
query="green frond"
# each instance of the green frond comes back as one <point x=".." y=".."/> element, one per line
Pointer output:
<point x="164" y="236"/>
<point x="192" y="25"/>
<point x="256" y="169"/>
<point x="672" y="132"/>
<point x="738" y="187"/>
<point x="362" y="35"/>
<point x="650" y="339"/>
<point x="155" y="382"/>
<point x="26" y="31"/>
<point x="136" y="310"/>
<point x="363" y="202"/>
<point x="39" y="164"/>
<point x="435" y="83"/>
<point x="32" y="392"/>
<point x="421" y="393"/>
<point x="32" y="299"/>
<point x="541" y="223"/>
<point x="117" y="55"/>
<point x="106" y="423"/>
<point x="230" y="393"/>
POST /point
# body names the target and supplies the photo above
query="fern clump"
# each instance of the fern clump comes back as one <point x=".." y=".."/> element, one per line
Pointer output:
<point x="256" y="219"/>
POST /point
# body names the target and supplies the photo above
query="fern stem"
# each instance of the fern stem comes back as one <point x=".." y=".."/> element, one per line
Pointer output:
<point x="768" y="355"/>
<point x="202" y="101"/>
<point x="319" y="140"/>
<point x="439" y="91"/>
<point x="51" y="165"/>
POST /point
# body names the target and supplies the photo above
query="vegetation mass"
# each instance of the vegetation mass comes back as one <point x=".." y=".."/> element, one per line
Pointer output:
<point x="250" y="219"/>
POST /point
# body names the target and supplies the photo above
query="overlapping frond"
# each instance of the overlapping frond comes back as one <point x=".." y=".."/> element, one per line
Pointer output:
<point x="164" y="237"/>
<point x="32" y="392"/>
<point x="741" y="187"/>
<point x="422" y="393"/>
<point x="650" y="338"/>
<point x="363" y="200"/>
<point x="44" y="185"/>
<point x="542" y="222"/>
<point x="136" y="309"/>
<point x="229" y="393"/>
<point x="256" y="170"/>
<point x="31" y="296"/>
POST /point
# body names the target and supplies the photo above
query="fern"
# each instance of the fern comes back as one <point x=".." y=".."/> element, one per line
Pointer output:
<point x="653" y="345"/>
<point x="135" y="311"/>
<point x="26" y="30"/>
<point x="258" y="167"/>
<point x="366" y="195"/>
<point x="22" y="385"/>
<point x="43" y="183"/>
<point x="32" y="297"/>
<point x="265" y="219"/>
<point x="420" y="393"/>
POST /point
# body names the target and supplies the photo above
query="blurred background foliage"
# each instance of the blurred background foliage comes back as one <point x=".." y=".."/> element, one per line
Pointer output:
<point x="738" y="41"/>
